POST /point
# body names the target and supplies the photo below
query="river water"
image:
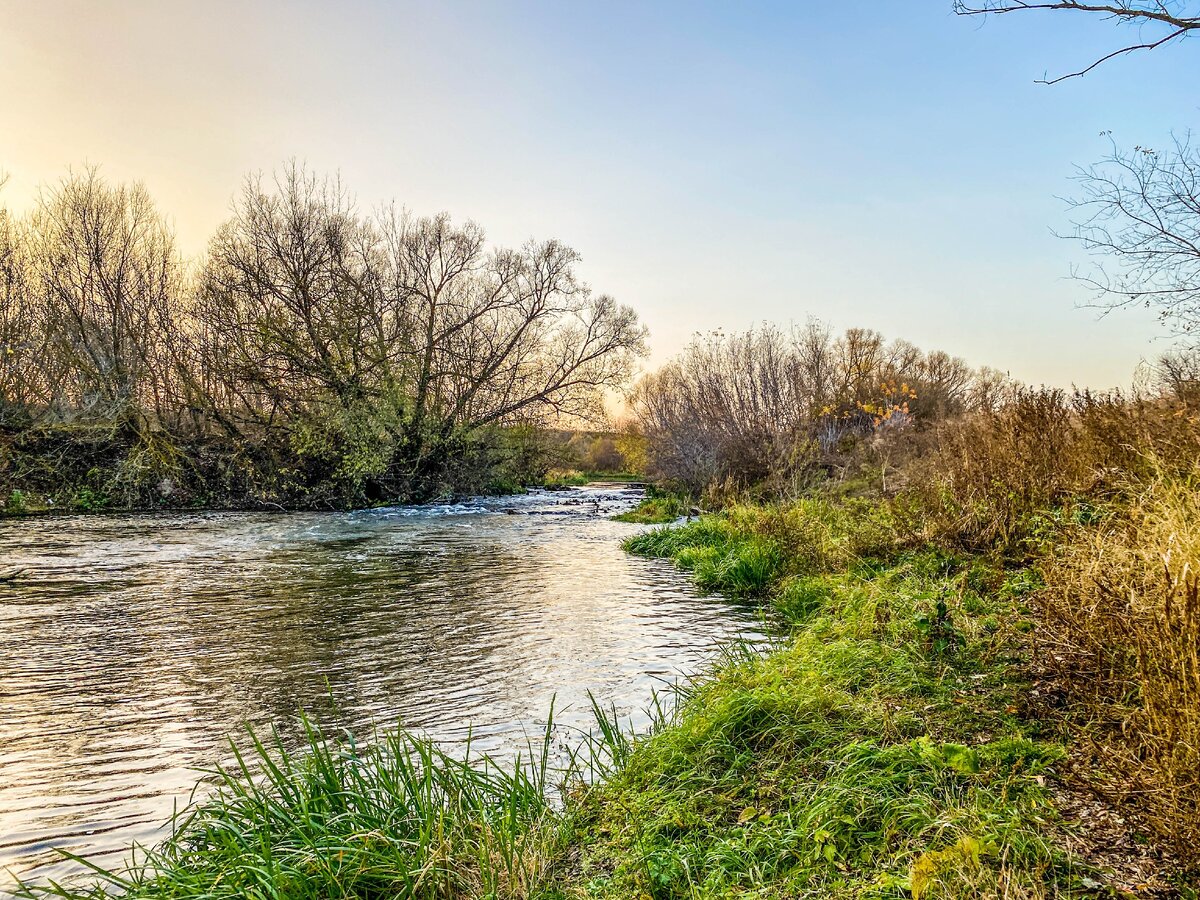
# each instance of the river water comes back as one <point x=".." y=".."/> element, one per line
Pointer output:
<point x="133" y="647"/>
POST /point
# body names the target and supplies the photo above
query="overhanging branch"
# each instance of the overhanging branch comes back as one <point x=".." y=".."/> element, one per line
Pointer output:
<point x="1152" y="12"/>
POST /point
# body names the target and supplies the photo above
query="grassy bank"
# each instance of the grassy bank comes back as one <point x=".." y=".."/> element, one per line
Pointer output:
<point x="884" y="749"/>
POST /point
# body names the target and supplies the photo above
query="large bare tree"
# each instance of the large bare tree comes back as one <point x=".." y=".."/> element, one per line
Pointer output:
<point x="403" y="330"/>
<point x="491" y="337"/>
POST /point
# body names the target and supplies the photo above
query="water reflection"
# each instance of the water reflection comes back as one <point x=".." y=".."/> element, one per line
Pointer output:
<point x="135" y="645"/>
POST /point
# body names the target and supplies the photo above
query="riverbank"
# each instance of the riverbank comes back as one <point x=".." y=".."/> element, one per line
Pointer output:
<point x="907" y="736"/>
<point x="905" y="740"/>
<point x="63" y="468"/>
<point x="19" y="504"/>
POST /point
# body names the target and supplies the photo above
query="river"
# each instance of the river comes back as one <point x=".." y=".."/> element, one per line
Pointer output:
<point x="134" y="646"/>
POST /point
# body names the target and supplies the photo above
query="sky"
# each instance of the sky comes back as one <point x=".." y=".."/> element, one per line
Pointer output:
<point x="878" y="164"/>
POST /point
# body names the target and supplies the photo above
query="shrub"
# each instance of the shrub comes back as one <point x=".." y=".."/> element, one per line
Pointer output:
<point x="16" y="505"/>
<point x="1008" y="480"/>
<point x="88" y="500"/>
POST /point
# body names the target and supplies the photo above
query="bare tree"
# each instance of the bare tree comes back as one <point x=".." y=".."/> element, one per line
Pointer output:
<point x="1141" y="210"/>
<point x="290" y="304"/>
<point x="1168" y="21"/>
<point x="1177" y="374"/>
<point x="495" y="337"/>
<point x="396" y="334"/>
<point x="100" y="281"/>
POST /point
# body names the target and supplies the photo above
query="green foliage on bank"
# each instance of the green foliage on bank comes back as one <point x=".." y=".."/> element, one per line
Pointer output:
<point x="656" y="509"/>
<point x="881" y="750"/>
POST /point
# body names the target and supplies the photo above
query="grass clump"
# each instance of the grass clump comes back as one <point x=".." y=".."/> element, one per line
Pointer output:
<point x="397" y="819"/>
<point x="656" y="509"/>
<point x="748" y="550"/>
<point x="16" y="504"/>
<point x="721" y="556"/>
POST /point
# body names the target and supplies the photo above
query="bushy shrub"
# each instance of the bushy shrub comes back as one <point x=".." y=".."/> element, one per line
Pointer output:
<point x="16" y="505"/>
<point x="998" y="480"/>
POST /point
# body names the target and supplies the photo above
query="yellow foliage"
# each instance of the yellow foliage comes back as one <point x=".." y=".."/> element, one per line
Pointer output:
<point x="960" y="858"/>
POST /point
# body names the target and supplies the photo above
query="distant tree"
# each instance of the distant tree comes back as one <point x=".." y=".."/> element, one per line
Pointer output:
<point x="1169" y="21"/>
<point x="766" y="406"/>
<point x="1177" y="373"/>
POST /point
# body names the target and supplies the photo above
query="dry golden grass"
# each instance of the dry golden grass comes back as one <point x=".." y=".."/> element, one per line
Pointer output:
<point x="996" y="481"/>
<point x="1103" y="493"/>
<point x="1123" y="601"/>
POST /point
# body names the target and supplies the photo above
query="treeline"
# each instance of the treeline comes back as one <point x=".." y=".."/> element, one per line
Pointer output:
<point x="315" y="354"/>
<point x="773" y="409"/>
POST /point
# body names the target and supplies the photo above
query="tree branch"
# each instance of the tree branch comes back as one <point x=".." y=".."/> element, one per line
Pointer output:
<point x="1155" y="12"/>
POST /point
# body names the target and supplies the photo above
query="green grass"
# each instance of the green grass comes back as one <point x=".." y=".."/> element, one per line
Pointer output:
<point x="396" y="819"/>
<point x="861" y="759"/>
<point x="656" y="510"/>
<point x="719" y="556"/>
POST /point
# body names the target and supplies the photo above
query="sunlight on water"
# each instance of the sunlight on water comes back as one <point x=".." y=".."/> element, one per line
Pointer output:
<point x="134" y="646"/>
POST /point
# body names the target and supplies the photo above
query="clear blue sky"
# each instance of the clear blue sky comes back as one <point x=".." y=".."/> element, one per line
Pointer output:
<point x="881" y="164"/>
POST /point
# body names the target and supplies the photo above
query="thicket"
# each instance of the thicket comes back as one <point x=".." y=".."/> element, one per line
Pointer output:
<point x="777" y="411"/>
<point x="315" y="355"/>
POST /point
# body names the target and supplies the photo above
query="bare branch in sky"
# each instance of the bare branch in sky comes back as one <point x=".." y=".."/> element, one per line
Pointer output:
<point x="1176" y="18"/>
